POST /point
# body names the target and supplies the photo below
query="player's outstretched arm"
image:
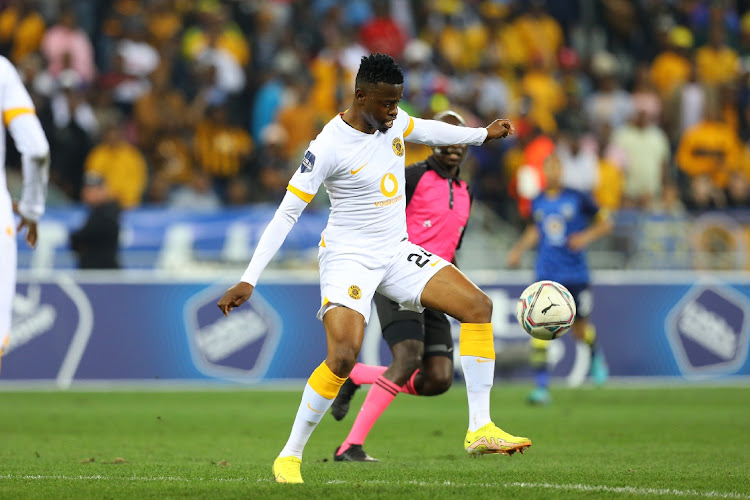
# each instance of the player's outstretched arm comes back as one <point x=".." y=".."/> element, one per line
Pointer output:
<point x="235" y="297"/>
<point x="437" y="133"/>
<point x="29" y="224"/>
<point x="499" y="129"/>
<point x="601" y="226"/>
<point x="31" y="142"/>
<point x="273" y="236"/>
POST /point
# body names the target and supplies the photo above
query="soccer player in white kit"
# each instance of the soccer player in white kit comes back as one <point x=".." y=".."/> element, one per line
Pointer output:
<point x="359" y="156"/>
<point x="21" y="121"/>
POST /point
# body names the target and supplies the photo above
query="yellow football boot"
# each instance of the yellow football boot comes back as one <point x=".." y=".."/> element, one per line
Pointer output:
<point x="492" y="439"/>
<point x="287" y="470"/>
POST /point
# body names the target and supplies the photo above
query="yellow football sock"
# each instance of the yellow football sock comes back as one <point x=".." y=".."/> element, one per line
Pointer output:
<point x="589" y="334"/>
<point x="325" y="382"/>
<point x="476" y="339"/>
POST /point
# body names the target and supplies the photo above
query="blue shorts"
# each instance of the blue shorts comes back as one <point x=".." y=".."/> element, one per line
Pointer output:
<point x="584" y="300"/>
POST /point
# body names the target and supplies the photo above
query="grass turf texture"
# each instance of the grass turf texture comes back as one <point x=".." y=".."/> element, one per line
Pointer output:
<point x="681" y="442"/>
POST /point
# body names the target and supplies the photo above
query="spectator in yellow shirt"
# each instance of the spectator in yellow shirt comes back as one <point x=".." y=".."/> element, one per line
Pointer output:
<point x="608" y="189"/>
<point x="717" y="62"/>
<point x="221" y="148"/>
<point x="230" y="37"/>
<point x="708" y="153"/>
<point x="547" y="96"/>
<point x="672" y="67"/>
<point x="300" y="118"/>
<point x="738" y="188"/>
<point x="162" y="107"/>
<point x="21" y="30"/>
<point x="122" y="167"/>
<point x="540" y="33"/>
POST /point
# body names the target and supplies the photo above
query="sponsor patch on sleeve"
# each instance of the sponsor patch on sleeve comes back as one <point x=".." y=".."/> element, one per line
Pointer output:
<point x="308" y="162"/>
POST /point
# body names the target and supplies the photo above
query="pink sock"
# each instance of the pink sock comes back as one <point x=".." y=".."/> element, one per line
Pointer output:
<point x="366" y="374"/>
<point x="409" y="386"/>
<point x="380" y="395"/>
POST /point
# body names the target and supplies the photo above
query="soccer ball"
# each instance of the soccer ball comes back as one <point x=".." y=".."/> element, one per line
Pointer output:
<point x="546" y="310"/>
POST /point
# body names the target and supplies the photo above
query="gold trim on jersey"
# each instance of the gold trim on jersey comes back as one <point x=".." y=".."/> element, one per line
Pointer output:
<point x="306" y="197"/>
<point x="10" y="114"/>
<point x="322" y="241"/>
<point x="409" y="128"/>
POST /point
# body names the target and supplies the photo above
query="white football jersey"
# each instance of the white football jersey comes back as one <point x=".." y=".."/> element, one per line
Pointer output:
<point x="20" y="118"/>
<point x="364" y="177"/>
<point x="14" y="101"/>
<point x="21" y="121"/>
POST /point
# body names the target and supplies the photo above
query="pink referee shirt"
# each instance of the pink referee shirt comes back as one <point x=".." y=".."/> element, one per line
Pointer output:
<point x="437" y="208"/>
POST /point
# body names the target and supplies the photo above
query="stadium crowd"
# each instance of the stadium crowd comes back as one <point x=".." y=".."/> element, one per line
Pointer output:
<point x="211" y="103"/>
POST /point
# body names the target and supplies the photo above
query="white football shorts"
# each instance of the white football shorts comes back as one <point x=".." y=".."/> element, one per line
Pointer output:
<point x="351" y="281"/>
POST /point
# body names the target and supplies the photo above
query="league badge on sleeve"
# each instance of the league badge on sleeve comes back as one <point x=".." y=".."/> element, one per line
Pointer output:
<point x="308" y="162"/>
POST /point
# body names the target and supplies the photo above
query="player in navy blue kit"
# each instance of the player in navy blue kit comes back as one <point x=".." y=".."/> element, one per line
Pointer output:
<point x="564" y="223"/>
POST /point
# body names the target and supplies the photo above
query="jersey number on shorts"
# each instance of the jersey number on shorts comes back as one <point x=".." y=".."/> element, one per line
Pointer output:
<point x="420" y="260"/>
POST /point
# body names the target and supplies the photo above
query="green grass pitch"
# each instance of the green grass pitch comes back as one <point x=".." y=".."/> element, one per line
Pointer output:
<point x="673" y="442"/>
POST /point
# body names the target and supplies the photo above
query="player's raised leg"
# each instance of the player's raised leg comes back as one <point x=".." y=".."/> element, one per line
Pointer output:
<point x="345" y="330"/>
<point x="450" y="291"/>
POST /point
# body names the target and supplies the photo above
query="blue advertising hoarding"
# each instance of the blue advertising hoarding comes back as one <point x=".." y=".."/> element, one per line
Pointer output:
<point x="136" y="328"/>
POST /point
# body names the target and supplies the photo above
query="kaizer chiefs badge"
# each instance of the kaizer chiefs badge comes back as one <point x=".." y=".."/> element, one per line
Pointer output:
<point x="398" y="146"/>
<point x="355" y="292"/>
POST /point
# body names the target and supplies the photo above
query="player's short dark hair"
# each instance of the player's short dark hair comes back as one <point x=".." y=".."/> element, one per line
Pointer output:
<point x="377" y="68"/>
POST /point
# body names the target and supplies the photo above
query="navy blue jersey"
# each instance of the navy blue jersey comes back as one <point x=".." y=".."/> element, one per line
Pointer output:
<point x="557" y="216"/>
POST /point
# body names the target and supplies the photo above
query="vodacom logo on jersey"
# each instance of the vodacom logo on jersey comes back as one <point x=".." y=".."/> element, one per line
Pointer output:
<point x="389" y="187"/>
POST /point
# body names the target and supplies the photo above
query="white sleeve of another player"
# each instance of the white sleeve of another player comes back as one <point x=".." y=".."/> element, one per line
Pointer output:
<point x="31" y="142"/>
<point x="273" y="236"/>
<point x="435" y="133"/>
<point x="24" y="127"/>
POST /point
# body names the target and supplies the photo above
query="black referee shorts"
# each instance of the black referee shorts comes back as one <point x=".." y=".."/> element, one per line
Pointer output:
<point x="430" y="327"/>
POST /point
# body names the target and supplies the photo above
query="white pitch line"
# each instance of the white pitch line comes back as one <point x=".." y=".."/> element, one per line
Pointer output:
<point x="173" y="479"/>
<point x="627" y="490"/>
<point x="630" y="490"/>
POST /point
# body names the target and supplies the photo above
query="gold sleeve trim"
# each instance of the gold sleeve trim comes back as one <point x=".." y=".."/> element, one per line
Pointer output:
<point x="409" y="128"/>
<point x="307" y="198"/>
<point x="10" y="114"/>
